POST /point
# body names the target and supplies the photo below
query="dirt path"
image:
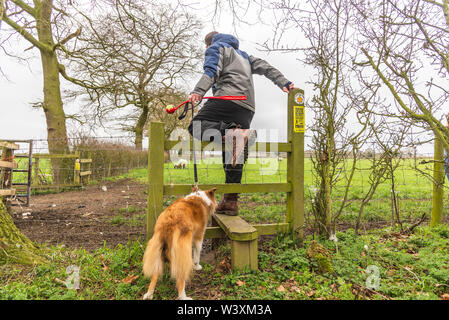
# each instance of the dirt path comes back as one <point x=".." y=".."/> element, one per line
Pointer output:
<point x="107" y="213"/>
<point x="110" y="212"/>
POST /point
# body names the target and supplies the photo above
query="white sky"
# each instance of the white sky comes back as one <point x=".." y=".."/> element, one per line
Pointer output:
<point x="18" y="120"/>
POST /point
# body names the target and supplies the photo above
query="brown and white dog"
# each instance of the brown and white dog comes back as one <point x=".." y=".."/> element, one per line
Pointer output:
<point x="178" y="228"/>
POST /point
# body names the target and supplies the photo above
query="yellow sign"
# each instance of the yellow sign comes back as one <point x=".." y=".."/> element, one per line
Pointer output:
<point x="299" y="119"/>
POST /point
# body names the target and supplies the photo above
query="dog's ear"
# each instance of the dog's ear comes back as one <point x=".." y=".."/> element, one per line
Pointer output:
<point x="211" y="191"/>
<point x="194" y="188"/>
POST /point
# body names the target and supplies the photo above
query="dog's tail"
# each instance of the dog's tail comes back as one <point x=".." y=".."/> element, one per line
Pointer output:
<point x="153" y="262"/>
<point x="181" y="264"/>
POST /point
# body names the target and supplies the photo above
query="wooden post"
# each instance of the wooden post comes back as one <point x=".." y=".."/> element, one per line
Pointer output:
<point x="89" y="165"/>
<point x="295" y="162"/>
<point x="109" y="167"/>
<point x="76" y="172"/>
<point x="30" y="170"/>
<point x="243" y="238"/>
<point x="7" y="156"/>
<point x="155" y="174"/>
<point x="438" y="183"/>
<point x="36" y="172"/>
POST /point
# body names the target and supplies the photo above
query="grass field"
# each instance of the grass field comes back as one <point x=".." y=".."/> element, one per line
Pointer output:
<point x="410" y="266"/>
<point x="413" y="189"/>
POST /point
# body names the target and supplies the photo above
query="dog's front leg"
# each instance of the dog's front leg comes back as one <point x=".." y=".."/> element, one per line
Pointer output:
<point x="196" y="254"/>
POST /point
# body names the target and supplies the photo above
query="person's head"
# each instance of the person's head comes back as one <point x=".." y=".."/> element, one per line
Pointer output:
<point x="208" y="38"/>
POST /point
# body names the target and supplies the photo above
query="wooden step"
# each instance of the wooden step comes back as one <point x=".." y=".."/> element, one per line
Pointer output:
<point x="236" y="228"/>
<point x="243" y="238"/>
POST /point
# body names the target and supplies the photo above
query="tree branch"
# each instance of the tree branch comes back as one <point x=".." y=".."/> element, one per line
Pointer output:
<point x="28" y="9"/>
<point x="28" y="36"/>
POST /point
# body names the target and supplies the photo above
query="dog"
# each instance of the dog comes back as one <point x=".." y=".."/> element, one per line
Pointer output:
<point x="177" y="229"/>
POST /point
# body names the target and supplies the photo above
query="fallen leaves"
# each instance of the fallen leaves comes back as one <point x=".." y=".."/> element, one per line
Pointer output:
<point x="310" y="293"/>
<point x="130" y="279"/>
<point x="224" y="266"/>
<point x="59" y="281"/>
<point x="296" y="289"/>
<point x="280" y="288"/>
<point x="240" y="283"/>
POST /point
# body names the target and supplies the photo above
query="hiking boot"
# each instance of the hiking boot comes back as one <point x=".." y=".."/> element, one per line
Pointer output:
<point x="228" y="205"/>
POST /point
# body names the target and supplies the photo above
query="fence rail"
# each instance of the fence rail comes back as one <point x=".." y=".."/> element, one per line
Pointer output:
<point x="7" y="164"/>
<point x="41" y="178"/>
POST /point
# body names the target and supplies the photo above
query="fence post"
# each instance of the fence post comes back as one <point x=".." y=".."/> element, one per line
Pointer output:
<point x="438" y="183"/>
<point x="89" y="165"/>
<point x="76" y="172"/>
<point x="155" y="174"/>
<point x="295" y="162"/>
<point x="36" y="171"/>
<point x="6" y="178"/>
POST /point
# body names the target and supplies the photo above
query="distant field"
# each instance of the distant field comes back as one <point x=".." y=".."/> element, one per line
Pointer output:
<point x="413" y="188"/>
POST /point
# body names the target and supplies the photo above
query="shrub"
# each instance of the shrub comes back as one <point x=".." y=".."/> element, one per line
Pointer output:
<point x="109" y="158"/>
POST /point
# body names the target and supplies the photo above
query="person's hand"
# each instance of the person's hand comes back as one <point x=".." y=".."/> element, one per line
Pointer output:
<point x="288" y="87"/>
<point x="195" y="98"/>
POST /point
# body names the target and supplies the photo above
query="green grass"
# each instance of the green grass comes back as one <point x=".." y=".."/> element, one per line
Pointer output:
<point x="410" y="267"/>
<point x="413" y="189"/>
<point x="409" y="183"/>
<point x="133" y="221"/>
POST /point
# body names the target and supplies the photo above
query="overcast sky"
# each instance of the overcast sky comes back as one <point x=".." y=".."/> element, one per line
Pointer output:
<point x="18" y="120"/>
<point x="24" y="86"/>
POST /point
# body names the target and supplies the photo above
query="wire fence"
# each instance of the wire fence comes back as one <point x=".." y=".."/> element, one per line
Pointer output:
<point x="116" y="211"/>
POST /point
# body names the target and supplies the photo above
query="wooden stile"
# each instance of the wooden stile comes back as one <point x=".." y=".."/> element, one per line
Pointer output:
<point x="242" y="235"/>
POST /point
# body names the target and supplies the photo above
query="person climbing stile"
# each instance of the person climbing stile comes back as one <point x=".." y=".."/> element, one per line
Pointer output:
<point x="228" y="71"/>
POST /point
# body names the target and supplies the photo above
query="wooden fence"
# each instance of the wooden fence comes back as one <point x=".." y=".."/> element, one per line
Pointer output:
<point x="7" y="165"/>
<point x="438" y="183"/>
<point x="243" y="236"/>
<point x="81" y="171"/>
<point x="40" y="175"/>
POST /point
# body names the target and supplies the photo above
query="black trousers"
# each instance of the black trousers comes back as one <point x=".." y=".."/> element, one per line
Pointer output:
<point x="221" y="116"/>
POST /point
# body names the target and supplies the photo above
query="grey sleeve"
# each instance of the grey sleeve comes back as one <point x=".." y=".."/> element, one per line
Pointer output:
<point x="203" y="85"/>
<point x="260" y="66"/>
<point x="213" y="65"/>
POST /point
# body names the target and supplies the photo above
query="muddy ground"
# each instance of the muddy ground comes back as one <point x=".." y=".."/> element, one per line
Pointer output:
<point x="108" y="213"/>
<point x="111" y="212"/>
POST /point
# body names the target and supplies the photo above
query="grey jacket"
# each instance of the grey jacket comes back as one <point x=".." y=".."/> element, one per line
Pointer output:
<point x="229" y="71"/>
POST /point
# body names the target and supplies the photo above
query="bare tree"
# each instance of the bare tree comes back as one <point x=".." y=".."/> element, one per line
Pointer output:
<point x="35" y="22"/>
<point x="131" y="56"/>
<point x="325" y="25"/>
<point x="405" y="43"/>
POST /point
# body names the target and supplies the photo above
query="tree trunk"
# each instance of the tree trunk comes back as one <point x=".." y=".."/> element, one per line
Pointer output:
<point x="138" y="129"/>
<point x="328" y="200"/>
<point x="53" y="107"/>
<point x="139" y="138"/>
<point x="14" y="246"/>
